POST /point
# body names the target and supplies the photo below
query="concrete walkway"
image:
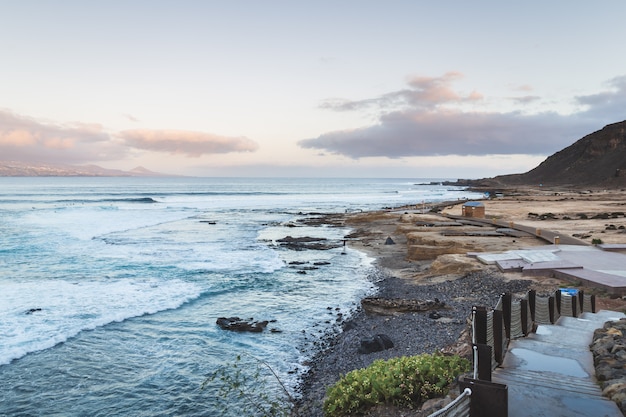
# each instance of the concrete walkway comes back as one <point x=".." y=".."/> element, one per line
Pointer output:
<point x="551" y="373"/>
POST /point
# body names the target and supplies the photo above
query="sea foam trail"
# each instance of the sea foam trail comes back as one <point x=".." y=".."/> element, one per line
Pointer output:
<point x="39" y="315"/>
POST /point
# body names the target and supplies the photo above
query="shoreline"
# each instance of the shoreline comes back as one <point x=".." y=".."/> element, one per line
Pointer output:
<point x="422" y="264"/>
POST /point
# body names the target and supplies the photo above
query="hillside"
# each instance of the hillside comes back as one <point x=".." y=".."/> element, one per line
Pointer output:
<point x="596" y="160"/>
<point x="30" y="169"/>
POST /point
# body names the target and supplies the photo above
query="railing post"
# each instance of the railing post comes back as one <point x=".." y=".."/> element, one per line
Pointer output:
<point x="581" y="300"/>
<point x="489" y="399"/>
<point x="593" y="303"/>
<point x="524" y="316"/>
<point x="532" y="303"/>
<point x="506" y="313"/>
<point x="551" y="309"/>
<point x="480" y="325"/>
<point x="484" y="362"/>
<point x="498" y="339"/>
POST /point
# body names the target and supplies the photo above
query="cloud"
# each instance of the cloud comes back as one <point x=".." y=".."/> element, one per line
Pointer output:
<point x="525" y="99"/>
<point x="189" y="143"/>
<point x="610" y="104"/>
<point x="429" y="125"/>
<point x="26" y="139"/>
<point x="424" y="92"/>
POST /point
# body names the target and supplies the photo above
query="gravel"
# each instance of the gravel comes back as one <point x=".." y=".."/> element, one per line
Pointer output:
<point x="412" y="333"/>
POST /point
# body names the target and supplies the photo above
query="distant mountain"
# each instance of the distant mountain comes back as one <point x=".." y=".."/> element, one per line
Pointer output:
<point x="596" y="160"/>
<point x="34" y="169"/>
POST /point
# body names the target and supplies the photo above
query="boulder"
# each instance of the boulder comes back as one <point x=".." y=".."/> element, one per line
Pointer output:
<point x="240" y="325"/>
<point x="376" y="343"/>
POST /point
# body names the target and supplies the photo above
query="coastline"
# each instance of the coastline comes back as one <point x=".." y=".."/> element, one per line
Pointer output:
<point x="422" y="264"/>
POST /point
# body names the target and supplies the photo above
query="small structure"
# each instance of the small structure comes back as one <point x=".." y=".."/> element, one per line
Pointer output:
<point x="473" y="209"/>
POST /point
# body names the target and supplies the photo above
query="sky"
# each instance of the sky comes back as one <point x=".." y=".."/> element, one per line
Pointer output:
<point x="419" y="89"/>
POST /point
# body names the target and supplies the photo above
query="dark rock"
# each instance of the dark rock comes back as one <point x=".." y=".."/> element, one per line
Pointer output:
<point x="380" y="305"/>
<point x="375" y="344"/>
<point x="307" y="242"/>
<point x="389" y="241"/>
<point x="434" y="315"/>
<point x="240" y="325"/>
<point x="609" y="357"/>
<point x="32" y="310"/>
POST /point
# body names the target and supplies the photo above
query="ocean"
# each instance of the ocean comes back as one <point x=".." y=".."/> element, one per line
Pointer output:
<point x="110" y="287"/>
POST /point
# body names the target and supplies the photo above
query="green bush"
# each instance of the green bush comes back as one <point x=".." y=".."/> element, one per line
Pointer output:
<point x="405" y="382"/>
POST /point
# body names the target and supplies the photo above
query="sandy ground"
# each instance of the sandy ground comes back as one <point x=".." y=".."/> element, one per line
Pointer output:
<point x="430" y="254"/>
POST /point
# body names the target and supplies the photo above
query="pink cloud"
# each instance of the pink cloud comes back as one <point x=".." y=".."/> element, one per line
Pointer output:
<point x="423" y="92"/>
<point x="16" y="138"/>
<point x="190" y="143"/>
<point x="26" y="139"/>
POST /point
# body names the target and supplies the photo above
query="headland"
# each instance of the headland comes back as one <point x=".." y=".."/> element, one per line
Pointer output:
<point x="420" y="255"/>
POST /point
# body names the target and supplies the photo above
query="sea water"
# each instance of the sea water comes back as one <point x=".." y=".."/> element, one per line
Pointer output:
<point x="110" y="287"/>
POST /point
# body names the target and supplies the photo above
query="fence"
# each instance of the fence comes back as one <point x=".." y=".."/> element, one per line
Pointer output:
<point x="492" y="329"/>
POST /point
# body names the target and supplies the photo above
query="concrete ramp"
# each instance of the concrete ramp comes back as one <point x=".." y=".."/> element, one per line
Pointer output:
<point x="551" y="373"/>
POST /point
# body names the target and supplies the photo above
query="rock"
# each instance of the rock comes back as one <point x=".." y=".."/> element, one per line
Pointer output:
<point x="239" y="325"/>
<point x="609" y="357"/>
<point x="375" y="344"/>
<point x="458" y="264"/>
<point x="434" y="315"/>
<point x="306" y="242"/>
<point x="389" y="241"/>
<point x="379" y="305"/>
<point x="32" y="310"/>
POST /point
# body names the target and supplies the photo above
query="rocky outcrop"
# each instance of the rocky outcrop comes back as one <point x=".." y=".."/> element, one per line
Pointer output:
<point x="420" y="248"/>
<point x="386" y="306"/>
<point x="306" y="243"/>
<point x="241" y="325"/>
<point x="609" y="357"/>
<point x="459" y="264"/>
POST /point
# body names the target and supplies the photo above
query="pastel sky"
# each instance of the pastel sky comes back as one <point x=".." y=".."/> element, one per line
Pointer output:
<point x="452" y="89"/>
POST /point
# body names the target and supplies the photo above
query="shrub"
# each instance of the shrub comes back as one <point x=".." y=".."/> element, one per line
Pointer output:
<point x="254" y="385"/>
<point x="596" y="241"/>
<point x="405" y="382"/>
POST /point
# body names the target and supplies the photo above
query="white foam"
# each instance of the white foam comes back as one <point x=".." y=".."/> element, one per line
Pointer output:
<point x="86" y="223"/>
<point x="38" y="315"/>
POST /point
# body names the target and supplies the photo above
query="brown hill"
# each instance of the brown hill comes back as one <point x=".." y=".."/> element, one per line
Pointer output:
<point x="596" y="160"/>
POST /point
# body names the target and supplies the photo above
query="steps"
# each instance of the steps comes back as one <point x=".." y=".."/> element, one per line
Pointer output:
<point x="551" y="373"/>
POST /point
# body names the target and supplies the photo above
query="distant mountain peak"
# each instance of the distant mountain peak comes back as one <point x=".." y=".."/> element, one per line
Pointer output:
<point x="144" y="171"/>
<point x="41" y="169"/>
